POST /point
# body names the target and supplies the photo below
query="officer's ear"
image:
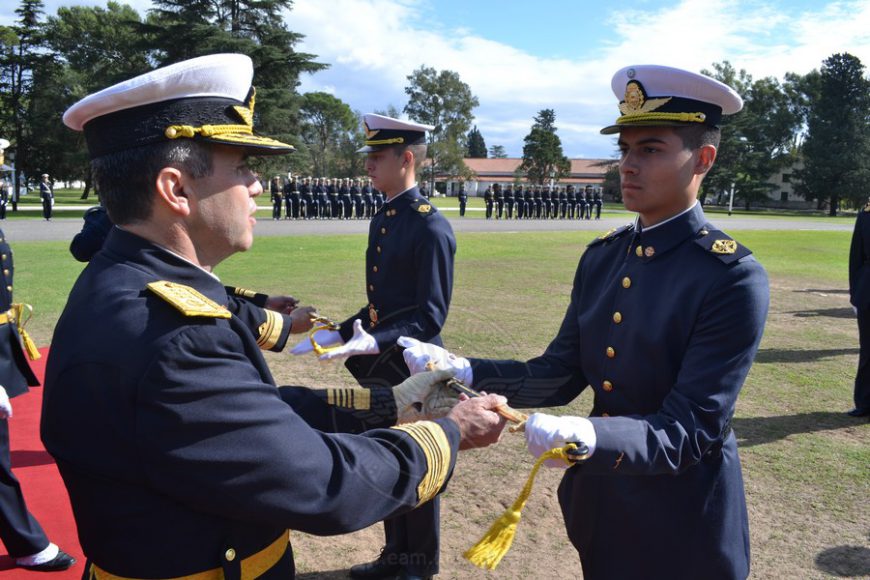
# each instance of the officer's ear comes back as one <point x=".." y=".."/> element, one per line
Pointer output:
<point x="171" y="194"/>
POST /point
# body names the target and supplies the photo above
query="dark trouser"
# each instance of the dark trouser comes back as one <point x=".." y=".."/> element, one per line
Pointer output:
<point x="21" y="533"/>
<point x="862" y="377"/>
<point x="348" y="206"/>
<point x="412" y="539"/>
<point x="488" y="209"/>
<point x="462" y="205"/>
<point x="499" y="209"/>
<point x="509" y="209"/>
<point x="2" y="211"/>
<point x="276" y="209"/>
<point x="597" y="210"/>
<point x="46" y="209"/>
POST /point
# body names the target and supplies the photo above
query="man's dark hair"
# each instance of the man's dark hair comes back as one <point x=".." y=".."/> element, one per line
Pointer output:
<point x="126" y="179"/>
<point x="697" y="135"/>
<point x="419" y="152"/>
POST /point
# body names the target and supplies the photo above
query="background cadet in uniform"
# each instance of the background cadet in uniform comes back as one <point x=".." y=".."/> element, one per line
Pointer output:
<point x="859" y="296"/>
<point x="663" y="324"/>
<point x="275" y="196"/>
<point x="24" y="538"/>
<point x="180" y="456"/>
<point x="463" y="200"/>
<point x="409" y="280"/>
<point x="46" y="195"/>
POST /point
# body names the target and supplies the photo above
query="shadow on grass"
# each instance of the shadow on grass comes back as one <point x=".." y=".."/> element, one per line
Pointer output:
<point x="845" y="561"/>
<point x="752" y="431"/>
<point x="829" y="312"/>
<point x="788" y="355"/>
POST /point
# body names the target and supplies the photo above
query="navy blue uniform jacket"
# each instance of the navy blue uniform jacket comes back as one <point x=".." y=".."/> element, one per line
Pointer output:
<point x="15" y="372"/>
<point x="663" y="326"/>
<point x="175" y="444"/>
<point x="859" y="261"/>
<point x="409" y="279"/>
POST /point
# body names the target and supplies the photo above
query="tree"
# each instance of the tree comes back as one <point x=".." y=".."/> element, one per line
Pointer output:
<point x="497" y="152"/>
<point x="476" y="145"/>
<point x="94" y="47"/>
<point x="542" y="153"/>
<point x="836" y="151"/>
<point x="326" y="119"/>
<point x="22" y="54"/>
<point x="757" y="142"/>
<point x="443" y="100"/>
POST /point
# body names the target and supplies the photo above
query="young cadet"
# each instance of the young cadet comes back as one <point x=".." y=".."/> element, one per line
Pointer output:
<point x="409" y="280"/>
<point x="180" y="455"/>
<point x="663" y="324"/>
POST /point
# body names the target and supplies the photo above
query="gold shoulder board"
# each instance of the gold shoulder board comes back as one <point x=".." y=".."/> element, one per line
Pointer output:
<point x="424" y="208"/>
<point x="188" y="301"/>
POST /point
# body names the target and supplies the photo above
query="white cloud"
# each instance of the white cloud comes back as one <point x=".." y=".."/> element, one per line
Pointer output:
<point x="375" y="44"/>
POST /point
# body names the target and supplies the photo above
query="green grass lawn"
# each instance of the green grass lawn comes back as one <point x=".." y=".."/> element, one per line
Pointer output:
<point x="806" y="465"/>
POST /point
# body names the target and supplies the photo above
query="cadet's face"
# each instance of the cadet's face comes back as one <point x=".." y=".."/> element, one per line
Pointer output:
<point x="386" y="171"/>
<point x="222" y="221"/>
<point x="656" y="172"/>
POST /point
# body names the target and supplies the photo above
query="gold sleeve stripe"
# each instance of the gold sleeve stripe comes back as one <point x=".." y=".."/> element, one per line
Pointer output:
<point x="432" y="439"/>
<point x="270" y="331"/>
<point x="350" y="398"/>
<point x="244" y="292"/>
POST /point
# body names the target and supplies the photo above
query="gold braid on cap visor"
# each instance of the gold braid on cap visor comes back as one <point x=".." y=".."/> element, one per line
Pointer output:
<point x="678" y="117"/>
<point x="386" y="141"/>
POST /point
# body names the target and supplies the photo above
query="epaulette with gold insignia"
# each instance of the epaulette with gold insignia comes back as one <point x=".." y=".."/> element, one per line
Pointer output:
<point x="423" y="207"/>
<point x="611" y="234"/>
<point x="721" y="245"/>
<point x="188" y="301"/>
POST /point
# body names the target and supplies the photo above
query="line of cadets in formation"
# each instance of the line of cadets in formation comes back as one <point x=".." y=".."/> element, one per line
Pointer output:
<point x="542" y="202"/>
<point x="324" y="198"/>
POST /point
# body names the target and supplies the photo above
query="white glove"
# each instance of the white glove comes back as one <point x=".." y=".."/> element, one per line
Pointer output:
<point x="360" y="343"/>
<point x="855" y="310"/>
<point x="418" y="355"/>
<point x="5" y="405"/>
<point x="323" y="338"/>
<point x="544" y="432"/>
<point x="424" y="396"/>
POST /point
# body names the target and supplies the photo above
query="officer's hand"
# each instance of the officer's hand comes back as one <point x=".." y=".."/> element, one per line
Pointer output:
<point x="5" y="405"/>
<point x="544" y="432"/>
<point x="301" y="319"/>
<point x="360" y="343"/>
<point x="418" y="356"/>
<point x="282" y="304"/>
<point x="479" y="424"/>
<point x="323" y="338"/>
<point x="424" y="396"/>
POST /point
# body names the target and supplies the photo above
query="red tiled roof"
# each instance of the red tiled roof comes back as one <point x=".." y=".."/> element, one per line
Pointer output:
<point x="585" y="170"/>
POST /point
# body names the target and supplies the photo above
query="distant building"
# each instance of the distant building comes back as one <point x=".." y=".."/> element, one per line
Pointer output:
<point x="503" y="171"/>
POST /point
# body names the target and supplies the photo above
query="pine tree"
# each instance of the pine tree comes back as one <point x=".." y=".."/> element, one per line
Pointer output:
<point x="476" y="144"/>
<point x="542" y="153"/>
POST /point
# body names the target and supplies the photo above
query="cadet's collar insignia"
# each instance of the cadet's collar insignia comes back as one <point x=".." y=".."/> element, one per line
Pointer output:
<point x="424" y="208"/>
<point x="188" y="301"/>
<point x="607" y="234"/>
<point x="369" y="133"/>
<point x="635" y="101"/>
<point x="611" y="234"/>
<point x="724" y="247"/>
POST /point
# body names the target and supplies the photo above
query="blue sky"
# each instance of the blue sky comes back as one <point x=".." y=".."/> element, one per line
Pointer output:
<point x="519" y="57"/>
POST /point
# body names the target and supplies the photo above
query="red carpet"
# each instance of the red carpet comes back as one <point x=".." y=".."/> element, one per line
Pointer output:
<point x="43" y="488"/>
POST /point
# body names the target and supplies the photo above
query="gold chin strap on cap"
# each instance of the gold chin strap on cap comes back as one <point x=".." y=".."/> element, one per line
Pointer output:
<point x="385" y="141"/>
<point x="321" y="323"/>
<point x="14" y="316"/>
<point x="189" y="131"/>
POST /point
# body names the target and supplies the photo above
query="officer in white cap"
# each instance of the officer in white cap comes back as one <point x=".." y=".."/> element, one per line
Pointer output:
<point x="409" y="280"/>
<point x="180" y="457"/>
<point x="664" y="322"/>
